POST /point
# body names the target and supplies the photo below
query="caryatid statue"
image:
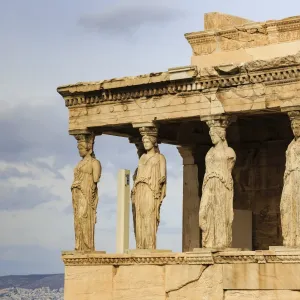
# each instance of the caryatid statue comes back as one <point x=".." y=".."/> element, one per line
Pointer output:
<point x="290" y="198"/>
<point x="148" y="191"/>
<point x="216" y="206"/>
<point x="85" y="193"/>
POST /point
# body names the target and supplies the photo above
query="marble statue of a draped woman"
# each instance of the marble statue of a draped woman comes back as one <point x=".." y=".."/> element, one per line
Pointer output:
<point x="85" y="194"/>
<point x="216" y="206"/>
<point x="290" y="198"/>
<point x="148" y="192"/>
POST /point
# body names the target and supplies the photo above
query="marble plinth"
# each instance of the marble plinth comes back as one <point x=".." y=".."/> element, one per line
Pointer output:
<point x="195" y="275"/>
<point x="146" y="251"/>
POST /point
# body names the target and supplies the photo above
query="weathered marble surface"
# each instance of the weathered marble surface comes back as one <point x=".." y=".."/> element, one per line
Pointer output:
<point x="290" y="199"/>
<point x="262" y="295"/>
<point x="216" y="206"/>
<point x="182" y="276"/>
<point x="139" y="282"/>
<point x="220" y="21"/>
<point x="85" y="193"/>
<point x="260" y="85"/>
<point x="88" y="282"/>
<point x="149" y="190"/>
<point x="269" y="276"/>
<point x="208" y="285"/>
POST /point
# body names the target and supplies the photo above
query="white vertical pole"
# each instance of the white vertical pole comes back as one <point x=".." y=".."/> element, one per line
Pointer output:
<point x="123" y="210"/>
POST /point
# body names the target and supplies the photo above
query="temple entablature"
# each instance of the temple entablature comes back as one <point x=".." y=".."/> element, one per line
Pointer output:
<point x="185" y="93"/>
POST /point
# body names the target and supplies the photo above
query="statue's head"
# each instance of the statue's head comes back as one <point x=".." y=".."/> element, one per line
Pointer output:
<point x="217" y="129"/>
<point x="295" y="122"/>
<point x="83" y="149"/>
<point x="85" y="144"/>
<point x="149" y="139"/>
<point x="296" y="127"/>
<point x="149" y="142"/>
<point x="217" y="134"/>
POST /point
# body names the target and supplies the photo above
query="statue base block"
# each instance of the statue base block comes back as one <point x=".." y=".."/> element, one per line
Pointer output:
<point x="230" y="275"/>
<point x="74" y="252"/>
<point x="283" y="249"/>
<point x="212" y="250"/>
<point x="146" y="251"/>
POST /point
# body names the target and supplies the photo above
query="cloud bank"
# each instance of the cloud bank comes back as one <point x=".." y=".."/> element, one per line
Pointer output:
<point x="127" y="19"/>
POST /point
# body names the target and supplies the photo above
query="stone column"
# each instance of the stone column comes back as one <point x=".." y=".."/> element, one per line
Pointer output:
<point x="290" y="198"/>
<point x="149" y="188"/>
<point x="216" y="206"/>
<point x="85" y="192"/>
<point x="137" y="141"/>
<point x="190" y="201"/>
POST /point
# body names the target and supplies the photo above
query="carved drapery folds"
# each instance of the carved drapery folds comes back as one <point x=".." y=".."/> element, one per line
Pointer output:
<point x="85" y="193"/>
<point x="216" y="206"/>
<point x="290" y="198"/>
<point x="149" y="190"/>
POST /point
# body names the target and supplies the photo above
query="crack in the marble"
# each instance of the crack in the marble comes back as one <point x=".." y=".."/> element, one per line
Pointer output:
<point x="186" y="283"/>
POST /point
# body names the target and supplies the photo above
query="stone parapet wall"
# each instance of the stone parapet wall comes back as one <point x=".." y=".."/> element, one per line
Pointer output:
<point x="242" y="33"/>
<point x="229" y="275"/>
<point x="220" y="21"/>
<point x="229" y="39"/>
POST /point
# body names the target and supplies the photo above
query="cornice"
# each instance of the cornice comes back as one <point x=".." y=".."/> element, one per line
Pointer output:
<point x="270" y="72"/>
<point x="189" y="258"/>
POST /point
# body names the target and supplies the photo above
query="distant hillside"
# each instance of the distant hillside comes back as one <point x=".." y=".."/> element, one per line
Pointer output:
<point x="53" y="281"/>
<point x="27" y="294"/>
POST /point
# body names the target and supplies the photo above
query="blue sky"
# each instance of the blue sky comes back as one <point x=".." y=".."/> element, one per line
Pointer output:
<point x="45" y="44"/>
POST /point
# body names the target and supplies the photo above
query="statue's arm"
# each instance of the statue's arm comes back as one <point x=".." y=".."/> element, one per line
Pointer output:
<point x="288" y="163"/>
<point x="97" y="170"/>
<point x="163" y="169"/>
<point x="136" y="170"/>
<point x="231" y="157"/>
